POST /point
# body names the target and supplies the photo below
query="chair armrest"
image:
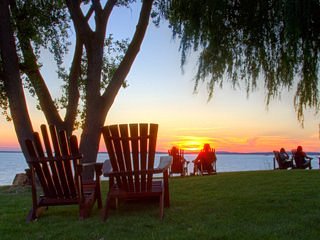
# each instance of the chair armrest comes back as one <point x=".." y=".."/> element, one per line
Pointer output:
<point x="89" y="164"/>
<point x="165" y="162"/>
<point x="97" y="167"/>
<point x="131" y="173"/>
<point x="106" y="168"/>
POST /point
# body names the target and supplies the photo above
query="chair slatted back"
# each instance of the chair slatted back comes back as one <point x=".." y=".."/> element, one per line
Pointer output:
<point x="53" y="164"/>
<point x="277" y="158"/>
<point x="177" y="160"/>
<point x="298" y="159"/>
<point x="131" y="150"/>
<point x="55" y="170"/>
<point x="210" y="156"/>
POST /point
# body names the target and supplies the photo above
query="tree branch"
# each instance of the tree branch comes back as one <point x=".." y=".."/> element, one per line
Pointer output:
<point x="133" y="49"/>
<point x="89" y="14"/>
<point x="79" y="20"/>
<point x="12" y="80"/>
<point x="96" y="5"/>
<point x="73" y="87"/>
<point x="94" y="48"/>
<point x="31" y="68"/>
<point x="108" y="8"/>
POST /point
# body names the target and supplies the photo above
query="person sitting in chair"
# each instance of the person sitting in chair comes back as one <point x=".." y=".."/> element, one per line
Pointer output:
<point x="179" y="163"/>
<point x="205" y="160"/>
<point x="302" y="158"/>
<point x="284" y="158"/>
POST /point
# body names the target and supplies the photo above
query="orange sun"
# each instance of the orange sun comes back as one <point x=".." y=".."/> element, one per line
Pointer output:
<point x="191" y="143"/>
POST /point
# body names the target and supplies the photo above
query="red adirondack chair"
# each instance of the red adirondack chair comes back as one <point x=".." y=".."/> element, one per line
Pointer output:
<point x="131" y="170"/>
<point x="206" y="161"/>
<point x="280" y="163"/>
<point x="179" y="164"/>
<point x="59" y="173"/>
<point x="299" y="160"/>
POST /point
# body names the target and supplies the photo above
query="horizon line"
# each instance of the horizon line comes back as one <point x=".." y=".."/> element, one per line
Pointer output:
<point x="186" y="153"/>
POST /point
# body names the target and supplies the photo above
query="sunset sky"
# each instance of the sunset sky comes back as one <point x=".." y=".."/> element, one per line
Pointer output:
<point x="159" y="92"/>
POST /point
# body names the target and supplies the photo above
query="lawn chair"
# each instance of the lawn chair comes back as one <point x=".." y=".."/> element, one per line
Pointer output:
<point x="205" y="163"/>
<point x="131" y="171"/>
<point x="280" y="163"/>
<point x="208" y="166"/>
<point x="299" y="161"/>
<point x="179" y="164"/>
<point x="60" y="174"/>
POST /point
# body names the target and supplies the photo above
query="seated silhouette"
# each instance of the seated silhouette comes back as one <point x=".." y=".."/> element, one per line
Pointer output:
<point x="283" y="159"/>
<point x="205" y="162"/>
<point x="301" y="159"/>
<point x="179" y="163"/>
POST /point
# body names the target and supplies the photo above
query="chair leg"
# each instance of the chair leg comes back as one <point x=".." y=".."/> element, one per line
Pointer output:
<point x="85" y="208"/>
<point x="98" y="197"/>
<point x="33" y="212"/>
<point x="166" y="190"/>
<point x="106" y="208"/>
<point x="161" y="205"/>
<point x="32" y="215"/>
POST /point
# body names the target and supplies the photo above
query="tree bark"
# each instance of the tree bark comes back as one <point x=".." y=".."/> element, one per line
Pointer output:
<point x="121" y="73"/>
<point x="73" y="88"/>
<point x="97" y="107"/>
<point x="31" y="69"/>
<point x="12" y="80"/>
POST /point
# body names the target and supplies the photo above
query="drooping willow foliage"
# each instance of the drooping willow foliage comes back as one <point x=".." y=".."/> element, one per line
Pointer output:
<point x="241" y="41"/>
<point x="250" y="40"/>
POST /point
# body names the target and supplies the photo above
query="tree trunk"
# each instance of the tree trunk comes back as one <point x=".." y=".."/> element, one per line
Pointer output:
<point x="12" y="80"/>
<point x="97" y="107"/>
<point x="31" y="69"/>
<point x="94" y="115"/>
<point x="90" y="137"/>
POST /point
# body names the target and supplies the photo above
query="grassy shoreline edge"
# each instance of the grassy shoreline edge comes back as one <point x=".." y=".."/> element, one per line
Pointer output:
<point x="233" y="205"/>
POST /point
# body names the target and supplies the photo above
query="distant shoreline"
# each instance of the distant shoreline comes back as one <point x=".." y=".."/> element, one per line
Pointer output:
<point x="218" y="152"/>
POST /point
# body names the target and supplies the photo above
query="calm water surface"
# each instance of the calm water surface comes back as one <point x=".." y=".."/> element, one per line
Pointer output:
<point x="12" y="163"/>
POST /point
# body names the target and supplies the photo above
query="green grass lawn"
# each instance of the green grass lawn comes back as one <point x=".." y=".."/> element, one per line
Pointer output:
<point x="241" y="205"/>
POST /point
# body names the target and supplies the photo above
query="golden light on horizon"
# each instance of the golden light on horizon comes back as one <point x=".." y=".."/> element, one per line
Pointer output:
<point x="191" y="143"/>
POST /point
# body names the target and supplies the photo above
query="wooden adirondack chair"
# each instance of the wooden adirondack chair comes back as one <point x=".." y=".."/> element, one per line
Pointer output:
<point x="59" y="173"/>
<point x="179" y="164"/>
<point x="281" y="164"/>
<point x="131" y="149"/>
<point x="299" y="161"/>
<point x="205" y="163"/>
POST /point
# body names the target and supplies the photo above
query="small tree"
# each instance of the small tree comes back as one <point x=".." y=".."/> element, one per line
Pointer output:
<point x="95" y="77"/>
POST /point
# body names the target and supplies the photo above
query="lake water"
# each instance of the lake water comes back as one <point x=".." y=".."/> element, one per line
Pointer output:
<point x="12" y="163"/>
